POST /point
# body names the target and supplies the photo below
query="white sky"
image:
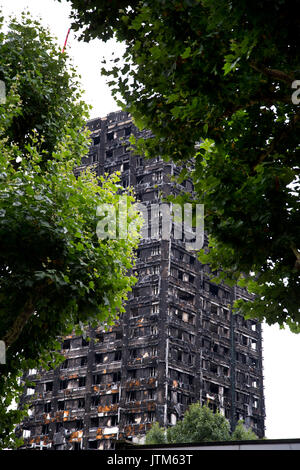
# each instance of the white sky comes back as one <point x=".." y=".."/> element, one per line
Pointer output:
<point x="281" y="348"/>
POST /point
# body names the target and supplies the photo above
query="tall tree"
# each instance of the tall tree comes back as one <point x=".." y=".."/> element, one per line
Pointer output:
<point x="55" y="272"/>
<point x="223" y="74"/>
<point x="155" y="435"/>
<point x="241" y="433"/>
<point x="199" y="424"/>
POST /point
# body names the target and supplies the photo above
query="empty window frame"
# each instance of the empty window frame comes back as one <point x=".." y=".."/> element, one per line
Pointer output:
<point x="45" y="428"/>
<point x="133" y="353"/>
<point x="113" y="420"/>
<point x="150" y="394"/>
<point x="213" y="309"/>
<point x="132" y="373"/>
<point x="48" y="386"/>
<point x="93" y="445"/>
<point x="82" y="381"/>
<point x="114" y="398"/>
<point x="185" y="297"/>
<point x="99" y="357"/>
<point x="213" y="290"/>
<point x="155" y="290"/>
<point x="95" y="422"/>
<point x="116" y="376"/>
<point x="65" y="364"/>
<point x="119" y="335"/>
<point x="150" y="416"/>
<point x="26" y="433"/>
<point x="130" y="396"/>
<point x="47" y="407"/>
<point x="95" y="400"/>
<point x="179" y="356"/>
<point x="213" y="388"/>
<point x="66" y="344"/>
<point x="213" y="327"/>
<point x="127" y="131"/>
<point x="59" y="427"/>
<point x="81" y="403"/>
<point x="63" y="383"/>
<point x="82" y="361"/>
<point x="152" y="371"/>
<point x="153" y="330"/>
<point x="154" y="308"/>
<point x="97" y="379"/>
<point x="155" y="250"/>
<point x="118" y="355"/>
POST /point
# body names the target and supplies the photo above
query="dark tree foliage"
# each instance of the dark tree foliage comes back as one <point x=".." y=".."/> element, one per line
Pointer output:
<point x="223" y="74"/>
<point x="47" y="88"/>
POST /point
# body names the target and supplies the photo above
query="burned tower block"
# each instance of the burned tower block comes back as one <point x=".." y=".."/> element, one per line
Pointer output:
<point x="177" y="343"/>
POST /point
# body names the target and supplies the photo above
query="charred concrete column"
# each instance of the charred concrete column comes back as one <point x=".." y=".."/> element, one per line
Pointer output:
<point x="233" y="419"/>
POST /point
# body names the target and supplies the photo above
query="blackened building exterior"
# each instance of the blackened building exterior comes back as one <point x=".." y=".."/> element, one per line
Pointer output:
<point x="177" y="343"/>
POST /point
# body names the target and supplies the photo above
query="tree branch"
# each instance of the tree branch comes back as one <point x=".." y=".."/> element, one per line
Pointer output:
<point x="297" y="254"/>
<point x="276" y="141"/>
<point x="15" y="331"/>
<point x="264" y="100"/>
<point x="273" y="73"/>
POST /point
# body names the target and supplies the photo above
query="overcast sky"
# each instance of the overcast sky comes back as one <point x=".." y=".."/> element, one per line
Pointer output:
<point x="281" y="348"/>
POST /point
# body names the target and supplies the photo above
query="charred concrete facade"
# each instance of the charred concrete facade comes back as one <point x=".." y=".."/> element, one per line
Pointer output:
<point x="177" y="343"/>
